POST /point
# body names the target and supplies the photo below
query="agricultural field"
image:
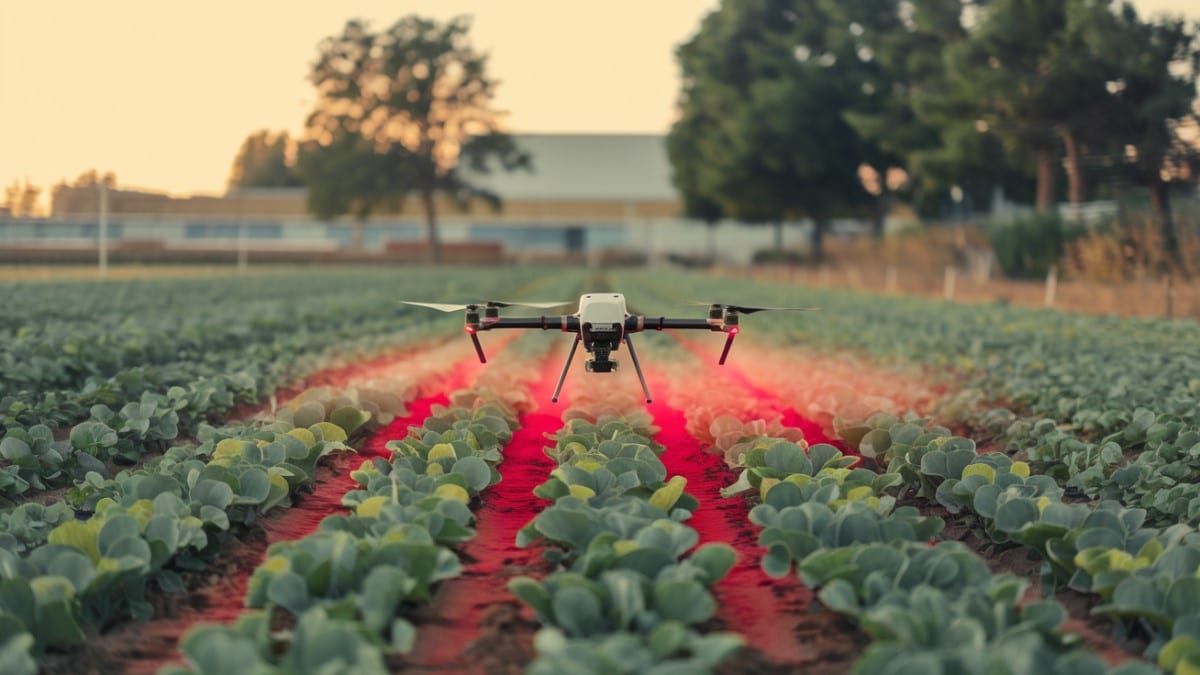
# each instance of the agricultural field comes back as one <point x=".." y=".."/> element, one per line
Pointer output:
<point x="295" y="473"/>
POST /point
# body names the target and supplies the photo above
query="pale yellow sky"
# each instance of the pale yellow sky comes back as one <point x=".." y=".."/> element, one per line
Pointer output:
<point x="162" y="93"/>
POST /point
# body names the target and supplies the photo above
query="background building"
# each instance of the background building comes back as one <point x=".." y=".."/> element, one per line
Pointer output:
<point x="594" y="196"/>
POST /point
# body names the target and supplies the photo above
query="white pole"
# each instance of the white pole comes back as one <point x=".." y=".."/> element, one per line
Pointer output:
<point x="243" y="253"/>
<point x="1051" y="286"/>
<point x="1170" y="295"/>
<point x="103" y="243"/>
<point x="948" y="283"/>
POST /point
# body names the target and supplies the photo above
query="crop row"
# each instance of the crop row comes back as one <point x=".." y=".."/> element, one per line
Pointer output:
<point x="631" y="585"/>
<point x="929" y="607"/>
<point x="1146" y="575"/>
<point x="1130" y="443"/>
<point x="60" y="576"/>
<point x="1109" y="407"/>
<point x="342" y="591"/>
<point x="135" y="366"/>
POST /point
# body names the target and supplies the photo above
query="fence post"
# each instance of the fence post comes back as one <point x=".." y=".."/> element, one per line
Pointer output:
<point x="1170" y="295"/>
<point x="889" y="280"/>
<point x="948" y="283"/>
<point x="243" y="253"/>
<point x="1051" y="287"/>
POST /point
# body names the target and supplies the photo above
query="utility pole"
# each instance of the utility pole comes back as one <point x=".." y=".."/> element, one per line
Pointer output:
<point x="103" y="227"/>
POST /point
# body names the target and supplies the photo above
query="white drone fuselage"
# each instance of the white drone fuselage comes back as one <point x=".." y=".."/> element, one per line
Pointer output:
<point x="602" y="327"/>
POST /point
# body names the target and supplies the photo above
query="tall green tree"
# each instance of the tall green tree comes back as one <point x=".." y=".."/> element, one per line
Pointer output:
<point x="263" y="161"/>
<point x="1153" y="97"/>
<point x="418" y="96"/>
<point x="909" y="116"/>
<point x="682" y="143"/>
<point x="763" y="76"/>
<point x="1003" y="76"/>
<point x="348" y="176"/>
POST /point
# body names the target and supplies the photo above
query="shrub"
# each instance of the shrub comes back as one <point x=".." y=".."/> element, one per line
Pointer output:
<point x="1027" y="247"/>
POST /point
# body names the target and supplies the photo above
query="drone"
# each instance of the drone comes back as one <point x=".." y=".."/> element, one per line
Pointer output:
<point x="601" y="325"/>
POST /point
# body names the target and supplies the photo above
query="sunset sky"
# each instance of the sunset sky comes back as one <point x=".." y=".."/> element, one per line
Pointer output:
<point x="163" y="93"/>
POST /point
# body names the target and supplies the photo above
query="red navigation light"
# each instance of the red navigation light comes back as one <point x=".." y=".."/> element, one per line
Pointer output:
<point x="733" y="331"/>
<point x="470" y="329"/>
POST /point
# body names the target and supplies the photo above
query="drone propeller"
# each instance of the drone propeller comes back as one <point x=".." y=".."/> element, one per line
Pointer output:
<point x="442" y="307"/>
<point x="473" y="324"/>
<point x="745" y="309"/>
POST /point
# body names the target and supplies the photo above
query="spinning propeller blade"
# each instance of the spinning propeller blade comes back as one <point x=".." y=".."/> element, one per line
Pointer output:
<point x="443" y="307"/>
<point x="539" y="305"/>
<point x="437" y="305"/>
<point x="746" y="309"/>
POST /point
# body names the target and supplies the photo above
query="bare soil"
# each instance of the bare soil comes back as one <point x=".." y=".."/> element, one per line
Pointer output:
<point x="785" y="628"/>
<point x="474" y="624"/>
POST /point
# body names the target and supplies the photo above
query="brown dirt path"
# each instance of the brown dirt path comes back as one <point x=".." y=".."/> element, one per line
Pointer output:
<point x="785" y="630"/>
<point x="474" y="625"/>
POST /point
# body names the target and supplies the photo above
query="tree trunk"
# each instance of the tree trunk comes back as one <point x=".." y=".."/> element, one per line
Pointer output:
<point x="1045" y="180"/>
<point x="817" y="239"/>
<point x="778" y="225"/>
<point x="1160" y="200"/>
<point x="1075" y="187"/>
<point x="435" y="245"/>
<point x="883" y="204"/>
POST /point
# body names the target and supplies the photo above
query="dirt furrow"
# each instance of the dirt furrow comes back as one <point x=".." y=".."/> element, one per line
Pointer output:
<point x="474" y="625"/>
<point x="782" y="625"/>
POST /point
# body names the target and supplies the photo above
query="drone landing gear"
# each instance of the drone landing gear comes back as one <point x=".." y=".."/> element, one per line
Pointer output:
<point x="566" y="366"/>
<point x="475" y="341"/>
<point x="571" y="355"/>
<point x="728" y="343"/>
<point x="638" y="367"/>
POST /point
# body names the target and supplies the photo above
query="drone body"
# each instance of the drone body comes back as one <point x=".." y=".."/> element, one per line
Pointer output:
<point x="602" y="323"/>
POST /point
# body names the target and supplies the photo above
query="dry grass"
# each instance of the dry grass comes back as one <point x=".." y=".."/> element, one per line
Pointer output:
<point x="1146" y="297"/>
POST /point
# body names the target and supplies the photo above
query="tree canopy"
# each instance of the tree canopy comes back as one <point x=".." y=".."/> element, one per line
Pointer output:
<point x="784" y="103"/>
<point x="398" y="112"/>
<point x="263" y="161"/>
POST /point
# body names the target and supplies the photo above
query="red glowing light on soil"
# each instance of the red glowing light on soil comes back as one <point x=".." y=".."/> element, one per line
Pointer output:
<point x="762" y="609"/>
<point x="461" y="606"/>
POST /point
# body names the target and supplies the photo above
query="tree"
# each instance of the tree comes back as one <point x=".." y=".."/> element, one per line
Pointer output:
<point x="20" y="198"/>
<point x="1153" y="97"/>
<point x="349" y="176"/>
<point x="418" y="96"/>
<point x="763" y="77"/>
<point x="1004" y="76"/>
<point x="262" y="161"/>
<point x="682" y="142"/>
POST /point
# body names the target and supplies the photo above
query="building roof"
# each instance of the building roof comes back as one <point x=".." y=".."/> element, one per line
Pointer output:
<point x="616" y="167"/>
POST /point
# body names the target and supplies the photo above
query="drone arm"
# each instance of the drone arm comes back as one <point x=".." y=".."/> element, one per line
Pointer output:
<point x="636" y="324"/>
<point x="565" y="323"/>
